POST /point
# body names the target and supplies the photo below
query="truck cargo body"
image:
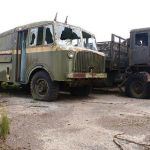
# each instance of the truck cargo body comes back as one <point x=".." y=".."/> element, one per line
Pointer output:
<point x="116" y="52"/>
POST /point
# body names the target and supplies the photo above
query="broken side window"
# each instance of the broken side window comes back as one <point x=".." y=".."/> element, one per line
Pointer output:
<point x="48" y="35"/>
<point x="40" y="36"/>
<point x="89" y="41"/>
<point x="68" y="36"/>
<point x="141" y="39"/>
<point x="33" y="36"/>
<point x="76" y="41"/>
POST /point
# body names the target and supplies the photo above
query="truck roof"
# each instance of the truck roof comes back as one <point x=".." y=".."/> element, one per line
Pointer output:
<point x="141" y="29"/>
<point x="36" y="24"/>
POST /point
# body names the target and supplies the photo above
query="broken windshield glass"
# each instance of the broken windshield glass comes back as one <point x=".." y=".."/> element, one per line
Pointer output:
<point x="89" y="41"/>
<point x="68" y="36"/>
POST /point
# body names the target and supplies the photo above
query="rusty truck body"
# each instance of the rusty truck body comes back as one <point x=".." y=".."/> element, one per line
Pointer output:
<point x="48" y="56"/>
<point x="129" y="61"/>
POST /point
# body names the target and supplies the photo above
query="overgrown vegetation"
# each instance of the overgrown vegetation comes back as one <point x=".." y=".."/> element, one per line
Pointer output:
<point x="4" y="125"/>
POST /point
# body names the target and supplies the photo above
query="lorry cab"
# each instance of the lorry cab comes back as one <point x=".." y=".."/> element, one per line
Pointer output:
<point x="139" y="53"/>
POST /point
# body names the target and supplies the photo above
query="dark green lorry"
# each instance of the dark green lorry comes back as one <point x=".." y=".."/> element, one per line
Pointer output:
<point x="128" y="62"/>
<point x="50" y="56"/>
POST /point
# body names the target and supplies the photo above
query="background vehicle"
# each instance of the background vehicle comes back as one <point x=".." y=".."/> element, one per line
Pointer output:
<point x="133" y="62"/>
<point x="48" y="56"/>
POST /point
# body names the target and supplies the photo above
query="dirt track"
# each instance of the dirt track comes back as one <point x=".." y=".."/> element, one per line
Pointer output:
<point x="76" y="123"/>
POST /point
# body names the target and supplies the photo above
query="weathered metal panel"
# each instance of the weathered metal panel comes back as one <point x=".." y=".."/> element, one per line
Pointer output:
<point x="56" y="62"/>
<point x="5" y="72"/>
<point x="5" y="58"/>
<point x="7" y="45"/>
<point x="8" y="42"/>
<point x="139" y="54"/>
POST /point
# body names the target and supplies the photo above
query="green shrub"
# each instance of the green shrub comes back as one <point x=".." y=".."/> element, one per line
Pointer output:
<point x="4" y="126"/>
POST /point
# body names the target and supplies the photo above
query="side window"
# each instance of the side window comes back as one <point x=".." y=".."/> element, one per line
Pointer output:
<point x="141" y="39"/>
<point x="22" y="38"/>
<point x="48" y="35"/>
<point x="33" y="36"/>
<point x="40" y="36"/>
<point x="88" y="41"/>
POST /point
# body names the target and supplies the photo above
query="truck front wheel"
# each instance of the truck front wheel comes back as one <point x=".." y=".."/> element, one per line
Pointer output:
<point x="42" y="88"/>
<point x="80" y="91"/>
<point x="137" y="86"/>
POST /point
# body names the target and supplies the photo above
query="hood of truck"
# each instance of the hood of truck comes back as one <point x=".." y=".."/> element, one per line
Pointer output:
<point x="77" y="49"/>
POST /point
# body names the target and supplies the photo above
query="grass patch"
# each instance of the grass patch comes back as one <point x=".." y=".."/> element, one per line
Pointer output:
<point x="4" y="125"/>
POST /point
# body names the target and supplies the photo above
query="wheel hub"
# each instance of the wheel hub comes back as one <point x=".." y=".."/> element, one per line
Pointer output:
<point x="138" y="87"/>
<point x="41" y="87"/>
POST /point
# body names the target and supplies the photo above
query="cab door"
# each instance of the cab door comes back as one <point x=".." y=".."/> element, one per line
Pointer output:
<point x="141" y="48"/>
<point x="21" y="56"/>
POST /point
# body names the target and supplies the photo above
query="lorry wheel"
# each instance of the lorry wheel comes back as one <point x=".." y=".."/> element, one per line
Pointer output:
<point x="42" y="88"/>
<point x="137" y="86"/>
<point x="80" y="91"/>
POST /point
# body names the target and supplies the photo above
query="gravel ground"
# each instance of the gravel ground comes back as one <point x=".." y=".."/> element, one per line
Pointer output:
<point x="106" y="120"/>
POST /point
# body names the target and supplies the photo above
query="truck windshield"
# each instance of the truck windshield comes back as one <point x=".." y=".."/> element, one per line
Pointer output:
<point x="73" y="36"/>
<point x="89" y="41"/>
<point x="66" y="35"/>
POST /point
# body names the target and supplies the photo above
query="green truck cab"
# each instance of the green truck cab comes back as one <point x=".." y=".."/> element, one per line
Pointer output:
<point x="50" y="56"/>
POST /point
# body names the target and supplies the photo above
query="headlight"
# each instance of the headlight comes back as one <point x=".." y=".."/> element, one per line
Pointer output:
<point x="70" y="54"/>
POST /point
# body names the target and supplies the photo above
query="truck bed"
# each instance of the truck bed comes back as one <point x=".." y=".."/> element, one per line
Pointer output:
<point x="116" y="53"/>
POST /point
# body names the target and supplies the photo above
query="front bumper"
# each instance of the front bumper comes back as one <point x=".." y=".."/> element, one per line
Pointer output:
<point x="87" y="76"/>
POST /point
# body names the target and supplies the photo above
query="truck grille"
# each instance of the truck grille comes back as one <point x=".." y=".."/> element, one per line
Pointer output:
<point x="87" y="60"/>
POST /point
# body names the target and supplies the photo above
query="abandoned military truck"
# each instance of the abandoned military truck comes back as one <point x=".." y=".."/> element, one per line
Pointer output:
<point x="49" y="56"/>
<point x="128" y="60"/>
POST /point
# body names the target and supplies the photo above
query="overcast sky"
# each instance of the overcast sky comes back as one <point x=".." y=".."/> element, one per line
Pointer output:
<point x="101" y="17"/>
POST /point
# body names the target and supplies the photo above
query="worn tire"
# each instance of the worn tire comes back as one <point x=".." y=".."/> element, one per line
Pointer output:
<point x="137" y="86"/>
<point x="42" y="87"/>
<point x="80" y="91"/>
